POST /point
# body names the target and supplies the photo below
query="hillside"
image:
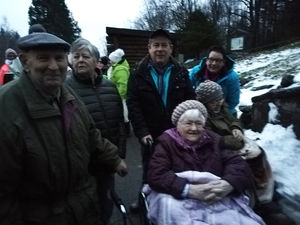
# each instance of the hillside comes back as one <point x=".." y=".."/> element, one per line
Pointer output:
<point x="267" y="68"/>
<point x="260" y="73"/>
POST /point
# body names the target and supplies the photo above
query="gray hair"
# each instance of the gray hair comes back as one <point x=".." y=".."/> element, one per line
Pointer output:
<point x="192" y="114"/>
<point x="83" y="44"/>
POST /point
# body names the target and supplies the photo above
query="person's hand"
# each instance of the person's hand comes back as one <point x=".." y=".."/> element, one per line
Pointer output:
<point x="238" y="134"/>
<point x="145" y="138"/>
<point x="199" y="191"/>
<point x="122" y="169"/>
<point x="250" y="150"/>
<point x="249" y="153"/>
<point x="218" y="190"/>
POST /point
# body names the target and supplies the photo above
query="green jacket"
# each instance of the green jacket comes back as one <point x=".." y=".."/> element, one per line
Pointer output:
<point x="119" y="76"/>
<point x="223" y="123"/>
<point x="45" y="158"/>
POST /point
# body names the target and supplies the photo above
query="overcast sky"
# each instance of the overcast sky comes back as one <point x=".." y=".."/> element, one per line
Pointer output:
<point x="93" y="16"/>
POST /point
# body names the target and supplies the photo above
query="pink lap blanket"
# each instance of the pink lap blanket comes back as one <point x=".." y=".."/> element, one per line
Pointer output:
<point x="231" y="210"/>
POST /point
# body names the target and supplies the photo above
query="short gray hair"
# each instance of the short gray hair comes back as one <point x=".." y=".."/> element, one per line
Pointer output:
<point x="192" y="114"/>
<point x="81" y="43"/>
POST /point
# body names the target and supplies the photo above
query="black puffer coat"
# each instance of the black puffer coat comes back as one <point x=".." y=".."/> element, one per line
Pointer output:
<point x="147" y="113"/>
<point x="105" y="106"/>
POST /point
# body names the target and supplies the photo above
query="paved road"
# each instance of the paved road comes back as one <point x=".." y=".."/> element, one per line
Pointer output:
<point x="128" y="187"/>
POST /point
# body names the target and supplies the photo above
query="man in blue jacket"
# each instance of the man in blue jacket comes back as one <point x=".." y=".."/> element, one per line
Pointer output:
<point x="156" y="86"/>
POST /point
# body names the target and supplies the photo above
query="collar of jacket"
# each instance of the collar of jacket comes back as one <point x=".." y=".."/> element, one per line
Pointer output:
<point x="120" y="62"/>
<point x="36" y="104"/>
<point x="142" y="68"/>
<point x="89" y="81"/>
<point x="224" y="110"/>
<point x="205" y="139"/>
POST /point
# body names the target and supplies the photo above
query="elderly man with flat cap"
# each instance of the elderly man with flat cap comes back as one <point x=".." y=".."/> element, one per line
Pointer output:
<point x="156" y="86"/>
<point x="49" y="143"/>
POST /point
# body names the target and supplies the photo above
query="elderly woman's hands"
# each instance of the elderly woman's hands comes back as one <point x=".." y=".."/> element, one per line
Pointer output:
<point x="199" y="191"/>
<point x="210" y="192"/>
<point x="219" y="189"/>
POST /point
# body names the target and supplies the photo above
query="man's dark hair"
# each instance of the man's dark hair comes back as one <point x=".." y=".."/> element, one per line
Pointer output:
<point x="160" y="33"/>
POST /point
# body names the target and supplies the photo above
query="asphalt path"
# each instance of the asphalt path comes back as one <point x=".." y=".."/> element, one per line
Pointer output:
<point x="128" y="187"/>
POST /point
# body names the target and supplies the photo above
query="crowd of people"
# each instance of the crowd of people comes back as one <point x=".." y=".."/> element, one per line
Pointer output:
<point x="72" y="111"/>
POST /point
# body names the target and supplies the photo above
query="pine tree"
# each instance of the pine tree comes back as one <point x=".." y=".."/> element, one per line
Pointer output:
<point x="197" y="34"/>
<point x="55" y="16"/>
<point x="8" y="39"/>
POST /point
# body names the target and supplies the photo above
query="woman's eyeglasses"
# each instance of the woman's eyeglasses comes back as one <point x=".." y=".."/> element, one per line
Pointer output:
<point x="211" y="60"/>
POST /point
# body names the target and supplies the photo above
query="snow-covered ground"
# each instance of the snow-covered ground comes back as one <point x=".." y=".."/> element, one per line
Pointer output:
<point x="267" y="69"/>
<point x="280" y="144"/>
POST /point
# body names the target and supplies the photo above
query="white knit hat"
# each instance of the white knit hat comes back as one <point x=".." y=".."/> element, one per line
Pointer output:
<point x="116" y="55"/>
<point x="187" y="105"/>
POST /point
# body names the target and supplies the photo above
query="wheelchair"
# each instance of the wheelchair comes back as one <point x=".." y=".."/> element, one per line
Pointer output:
<point x="121" y="207"/>
<point x="142" y="198"/>
<point x="144" y="208"/>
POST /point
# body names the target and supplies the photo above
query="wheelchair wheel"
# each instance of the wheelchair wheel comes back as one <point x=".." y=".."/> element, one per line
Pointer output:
<point x="121" y="207"/>
<point x="143" y="205"/>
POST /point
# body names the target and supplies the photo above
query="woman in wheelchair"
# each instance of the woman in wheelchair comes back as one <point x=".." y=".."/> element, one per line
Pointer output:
<point x="192" y="180"/>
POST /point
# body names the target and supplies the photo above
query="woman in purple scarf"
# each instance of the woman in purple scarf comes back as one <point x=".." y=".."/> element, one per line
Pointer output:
<point x="192" y="180"/>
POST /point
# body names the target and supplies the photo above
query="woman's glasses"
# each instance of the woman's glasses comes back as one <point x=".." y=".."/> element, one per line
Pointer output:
<point x="211" y="60"/>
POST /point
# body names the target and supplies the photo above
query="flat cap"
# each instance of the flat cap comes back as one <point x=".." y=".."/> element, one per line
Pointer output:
<point x="42" y="40"/>
<point x="160" y="33"/>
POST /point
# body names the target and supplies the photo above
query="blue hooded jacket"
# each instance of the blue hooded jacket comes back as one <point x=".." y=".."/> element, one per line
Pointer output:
<point x="228" y="80"/>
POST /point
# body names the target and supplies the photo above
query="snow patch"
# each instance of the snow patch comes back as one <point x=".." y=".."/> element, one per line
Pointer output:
<point x="273" y="113"/>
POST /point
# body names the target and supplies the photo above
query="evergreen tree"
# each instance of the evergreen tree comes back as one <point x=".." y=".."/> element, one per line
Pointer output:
<point x="55" y="17"/>
<point x="8" y="39"/>
<point x="197" y="35"/>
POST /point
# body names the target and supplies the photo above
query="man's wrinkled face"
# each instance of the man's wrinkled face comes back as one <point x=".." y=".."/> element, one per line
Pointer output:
<point x="160" y="50"/>
<point x="46" y="67"/>
<point x="83" y="64"/>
